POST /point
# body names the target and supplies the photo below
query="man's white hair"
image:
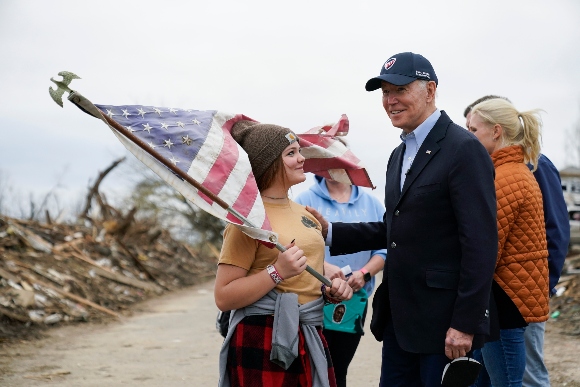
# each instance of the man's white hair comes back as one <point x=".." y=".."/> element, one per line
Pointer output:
<point x="423" y="84"/>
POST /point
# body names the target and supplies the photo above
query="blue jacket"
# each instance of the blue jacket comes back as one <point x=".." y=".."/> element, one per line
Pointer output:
<point x="555" y="216"/>
<point x="361" y="207"/>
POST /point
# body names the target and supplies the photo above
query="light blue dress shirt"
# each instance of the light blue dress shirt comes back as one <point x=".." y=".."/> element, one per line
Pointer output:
<point x="413" y="142"/>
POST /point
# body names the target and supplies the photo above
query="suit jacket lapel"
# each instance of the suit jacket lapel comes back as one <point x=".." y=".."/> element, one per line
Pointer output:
<point x="427" y="150"/>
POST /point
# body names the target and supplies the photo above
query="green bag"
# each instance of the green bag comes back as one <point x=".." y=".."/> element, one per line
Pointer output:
<point x="348" y="315"/>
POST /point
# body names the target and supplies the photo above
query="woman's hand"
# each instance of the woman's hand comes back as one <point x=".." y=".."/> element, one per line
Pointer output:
<point x="291" y="262"/>
<point x="340" y="290"/>
<point x="332" y="271"/>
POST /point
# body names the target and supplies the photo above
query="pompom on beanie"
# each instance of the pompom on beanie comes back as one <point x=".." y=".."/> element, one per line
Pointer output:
<point x="263" y="143"/>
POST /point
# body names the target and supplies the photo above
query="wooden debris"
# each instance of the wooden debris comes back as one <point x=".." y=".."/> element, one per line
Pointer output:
<point x="8" y="276"/>
<point x="128" y="281"/>
<point x="23" y="297"/>
<point x="89" y="270"/>
<point x="12" y="315"/>
<point x="29" y="238"/>
<point x="71" y="296"/>
<point x="49" y="273"/>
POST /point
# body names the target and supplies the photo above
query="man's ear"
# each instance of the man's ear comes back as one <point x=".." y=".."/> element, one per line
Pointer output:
<point x="431" y="90"/>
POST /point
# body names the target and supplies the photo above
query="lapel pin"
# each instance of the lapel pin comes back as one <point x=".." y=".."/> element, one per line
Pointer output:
<point x="428" y="152"/>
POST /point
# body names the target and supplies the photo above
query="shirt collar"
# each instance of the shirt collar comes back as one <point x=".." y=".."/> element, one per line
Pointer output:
<point x="423" y="130"/>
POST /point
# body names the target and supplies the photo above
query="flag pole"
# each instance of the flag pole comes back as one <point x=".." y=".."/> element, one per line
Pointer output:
<point x="77" y="98"/>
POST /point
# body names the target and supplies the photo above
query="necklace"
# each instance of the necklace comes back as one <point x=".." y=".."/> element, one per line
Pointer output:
<point x="341" y="197"/>
<point x="271" y="197"/>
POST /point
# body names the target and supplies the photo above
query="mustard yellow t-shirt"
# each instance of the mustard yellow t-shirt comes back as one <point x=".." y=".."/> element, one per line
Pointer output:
<point x="290" y="221"/>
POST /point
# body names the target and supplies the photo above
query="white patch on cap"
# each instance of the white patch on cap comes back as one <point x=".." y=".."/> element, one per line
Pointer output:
<point x="422" y="74"/>
<point x="390" y="63"/>
<point x="290" y="137"/>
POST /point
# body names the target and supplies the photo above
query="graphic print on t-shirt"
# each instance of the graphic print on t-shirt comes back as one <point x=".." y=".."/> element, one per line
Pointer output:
<point x="308" y="222"/>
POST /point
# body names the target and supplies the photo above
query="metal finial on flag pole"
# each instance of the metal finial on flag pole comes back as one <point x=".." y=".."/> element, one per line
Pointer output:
<point x="88" y="107"/>
<point x="67" y="78"/>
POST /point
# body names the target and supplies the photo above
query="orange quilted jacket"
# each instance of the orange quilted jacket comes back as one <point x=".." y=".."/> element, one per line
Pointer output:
<point x="522" y="262"/>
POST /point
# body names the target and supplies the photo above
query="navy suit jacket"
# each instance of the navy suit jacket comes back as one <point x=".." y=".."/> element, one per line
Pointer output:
<point x="442" y="240"/>
<point x="556" y="217"/>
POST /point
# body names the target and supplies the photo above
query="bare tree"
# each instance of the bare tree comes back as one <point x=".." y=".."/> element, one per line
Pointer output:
<point x="156" y="199"/>
<point x="31" y="206"/>
<point x="94" y="192"/>
<point x="50" y="200"/>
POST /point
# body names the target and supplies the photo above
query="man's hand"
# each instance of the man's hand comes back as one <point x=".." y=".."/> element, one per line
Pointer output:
<point x="457" y="343"/>
<point x="356" y="280"/>
<point x="321" y="219"/>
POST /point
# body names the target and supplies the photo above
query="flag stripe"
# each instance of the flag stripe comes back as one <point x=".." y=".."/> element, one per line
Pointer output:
<point x="207" y="157"/>
<point x="328" y="157"/>
<point x="243" y="186"/>
<point x="228" y="157"/>
<point x="252" y="205"/>
<point x="325" y="164"/>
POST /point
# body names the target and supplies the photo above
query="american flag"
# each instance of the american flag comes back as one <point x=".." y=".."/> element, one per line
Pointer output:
<point x="199" y="144"/>
<point x="328" y="157"/>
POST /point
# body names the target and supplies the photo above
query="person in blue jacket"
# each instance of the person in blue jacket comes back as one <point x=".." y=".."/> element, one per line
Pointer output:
<point x="346" y="203"/>
<point x="558" y="237"/>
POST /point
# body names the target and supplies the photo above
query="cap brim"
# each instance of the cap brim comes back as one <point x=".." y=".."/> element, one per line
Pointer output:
<point x="395" y="79"/>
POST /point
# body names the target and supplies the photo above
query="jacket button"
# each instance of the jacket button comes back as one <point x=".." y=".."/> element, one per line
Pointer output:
<point x="397" y="213"/>
<point x="393" y="245"/>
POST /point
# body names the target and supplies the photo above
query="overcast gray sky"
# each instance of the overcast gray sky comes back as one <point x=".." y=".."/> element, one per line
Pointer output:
<point x="299" y="64"/>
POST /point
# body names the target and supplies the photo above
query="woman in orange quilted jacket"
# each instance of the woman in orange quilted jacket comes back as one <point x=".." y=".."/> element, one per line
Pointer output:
<point x="520" y="286"/>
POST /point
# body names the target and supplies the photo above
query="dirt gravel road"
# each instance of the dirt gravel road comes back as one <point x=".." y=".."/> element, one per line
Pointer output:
<point x="172" y="341"/>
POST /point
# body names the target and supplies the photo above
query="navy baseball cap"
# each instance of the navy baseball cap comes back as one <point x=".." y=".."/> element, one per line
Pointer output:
<point x="402" y="69"/>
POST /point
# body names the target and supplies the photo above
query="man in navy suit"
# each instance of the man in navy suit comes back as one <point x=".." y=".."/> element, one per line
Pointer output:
<point x="439" y="227"/>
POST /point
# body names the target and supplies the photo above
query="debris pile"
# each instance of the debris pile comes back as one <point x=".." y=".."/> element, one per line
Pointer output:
<point x="565" y="304"/>
<point x="56" y="273"/>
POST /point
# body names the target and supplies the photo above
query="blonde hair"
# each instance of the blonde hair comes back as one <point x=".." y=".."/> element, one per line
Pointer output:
<point x="519" y="128"/>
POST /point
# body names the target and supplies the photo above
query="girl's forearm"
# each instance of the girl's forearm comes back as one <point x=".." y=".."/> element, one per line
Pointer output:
<point x="243" y="291"/>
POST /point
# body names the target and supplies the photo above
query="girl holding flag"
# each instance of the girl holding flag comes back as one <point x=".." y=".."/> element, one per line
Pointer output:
<point x="275" y="335"/>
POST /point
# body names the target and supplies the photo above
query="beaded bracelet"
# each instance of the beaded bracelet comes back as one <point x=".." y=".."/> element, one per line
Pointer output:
<point x="276" y="277"/>
<point x="328" y="299"/>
